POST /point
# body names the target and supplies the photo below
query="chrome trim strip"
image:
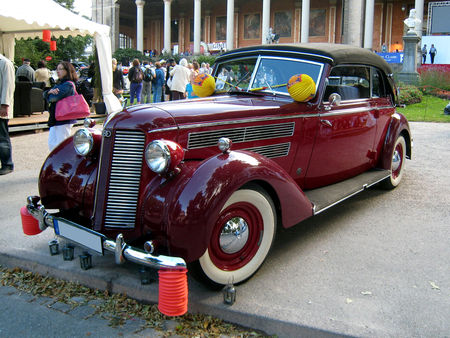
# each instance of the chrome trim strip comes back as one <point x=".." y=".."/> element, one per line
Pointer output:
<point x="346" y="112"/>
<point x="383" y="107"/>
<point x="364" y="187"/>
<point x="259" y="119"/>
<point x="162" y="129"/>
<point x="98" y="174"/>
<point x="337" y="202"/>
<point x="280" y="51"/>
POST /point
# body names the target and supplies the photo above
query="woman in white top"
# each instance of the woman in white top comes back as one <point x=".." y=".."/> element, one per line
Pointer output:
<point x="180" y="78"/>
<point x="43" y="74"/>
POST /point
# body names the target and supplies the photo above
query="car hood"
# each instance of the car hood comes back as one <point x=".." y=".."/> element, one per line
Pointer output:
<point x="224" y="108"/>
<point x="219" y="108"/>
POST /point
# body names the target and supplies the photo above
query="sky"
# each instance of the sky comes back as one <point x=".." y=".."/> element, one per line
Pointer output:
<point x="84" y="7"/>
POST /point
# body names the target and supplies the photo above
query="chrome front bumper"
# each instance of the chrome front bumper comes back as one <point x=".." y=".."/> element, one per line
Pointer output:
<point x="122" y="251"/>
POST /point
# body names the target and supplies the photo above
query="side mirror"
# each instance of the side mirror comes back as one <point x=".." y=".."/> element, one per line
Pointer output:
<point x="334" y="99"/>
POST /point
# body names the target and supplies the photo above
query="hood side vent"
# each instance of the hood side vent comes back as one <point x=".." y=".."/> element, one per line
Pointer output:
<point x="273" y="150"/>
<point x="204" y="139"/>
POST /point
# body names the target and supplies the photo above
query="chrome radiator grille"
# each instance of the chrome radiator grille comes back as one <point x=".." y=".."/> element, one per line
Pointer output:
<point x="125" y="176"/>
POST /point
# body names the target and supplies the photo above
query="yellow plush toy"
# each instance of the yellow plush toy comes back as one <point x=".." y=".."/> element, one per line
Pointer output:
<point x="301" y="87"/>
<point x="204" y="85"/>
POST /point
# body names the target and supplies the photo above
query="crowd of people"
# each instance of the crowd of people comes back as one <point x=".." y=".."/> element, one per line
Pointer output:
<point x="158" y="82"/>
<point x="148" y="82"/>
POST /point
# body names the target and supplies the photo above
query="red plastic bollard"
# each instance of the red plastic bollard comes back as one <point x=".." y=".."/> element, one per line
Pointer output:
<point x="30" y="225"/>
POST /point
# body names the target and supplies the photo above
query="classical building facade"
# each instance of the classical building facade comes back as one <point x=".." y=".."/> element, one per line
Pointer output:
<point x="213" y="25"/>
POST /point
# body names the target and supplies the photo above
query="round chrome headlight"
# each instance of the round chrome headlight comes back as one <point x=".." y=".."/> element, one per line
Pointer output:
<point x="83" y="142"/>
<point x="157" y="156"/>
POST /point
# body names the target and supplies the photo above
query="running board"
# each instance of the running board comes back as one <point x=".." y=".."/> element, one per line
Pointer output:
<point x="328" y="196"/>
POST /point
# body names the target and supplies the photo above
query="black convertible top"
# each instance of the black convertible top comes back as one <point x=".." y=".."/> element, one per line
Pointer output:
<point x="335" y="54"/>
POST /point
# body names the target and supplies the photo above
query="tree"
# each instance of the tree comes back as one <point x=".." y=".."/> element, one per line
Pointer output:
<point x="66" y="3"/>
<point x="125" y="55"/>
<point x="69" y="49"/>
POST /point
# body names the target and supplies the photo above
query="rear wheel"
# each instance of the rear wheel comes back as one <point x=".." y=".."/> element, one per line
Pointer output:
<point x="240" y="240"/>
<point x="397" y="164"/>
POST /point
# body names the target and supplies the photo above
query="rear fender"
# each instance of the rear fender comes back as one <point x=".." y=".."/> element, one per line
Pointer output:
<point x="398" y="126"/>
<point x="196" y="196"/>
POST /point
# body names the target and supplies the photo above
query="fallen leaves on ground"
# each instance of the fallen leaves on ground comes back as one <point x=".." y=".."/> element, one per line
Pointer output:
<point x="434" y="286"/>
<point x="118" y="308"/>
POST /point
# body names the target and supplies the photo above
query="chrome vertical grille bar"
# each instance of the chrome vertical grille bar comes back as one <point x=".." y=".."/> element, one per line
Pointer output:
<point x="123" y="189"/>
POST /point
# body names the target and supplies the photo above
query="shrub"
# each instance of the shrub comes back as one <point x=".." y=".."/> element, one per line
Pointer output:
<point x="409" y="94"/>
<point x="126" y="55"/>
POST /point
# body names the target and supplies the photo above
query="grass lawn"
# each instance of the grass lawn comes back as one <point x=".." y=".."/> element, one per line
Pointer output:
<point x="431" y="109"/>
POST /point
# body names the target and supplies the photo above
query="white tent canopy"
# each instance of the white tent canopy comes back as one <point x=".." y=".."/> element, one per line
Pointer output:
<point x="27" y="18"/>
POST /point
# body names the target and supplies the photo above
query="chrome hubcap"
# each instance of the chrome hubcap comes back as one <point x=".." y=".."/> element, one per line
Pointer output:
<point x="396" y="160"/>
<point x="234" y="235"/>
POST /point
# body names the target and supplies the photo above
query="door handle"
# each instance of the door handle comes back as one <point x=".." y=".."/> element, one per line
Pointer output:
<point x="326" y="123"/>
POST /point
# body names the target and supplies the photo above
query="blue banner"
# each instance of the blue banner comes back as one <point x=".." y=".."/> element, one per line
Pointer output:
<point x="392" y="57"/>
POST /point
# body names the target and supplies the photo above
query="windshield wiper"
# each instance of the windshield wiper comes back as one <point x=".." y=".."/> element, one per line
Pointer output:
<point x="237" y="84"/>
<point x="267" y="87"/>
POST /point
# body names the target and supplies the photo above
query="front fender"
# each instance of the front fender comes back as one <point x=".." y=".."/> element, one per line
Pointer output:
<point x="398" y="126"/>
<point x="67" y="180"/>
<point x="196" y="196"/>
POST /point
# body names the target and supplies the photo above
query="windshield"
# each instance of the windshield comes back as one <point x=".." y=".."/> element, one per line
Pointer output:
<point x="263" y="73"/>
<point x="235" y="74"/>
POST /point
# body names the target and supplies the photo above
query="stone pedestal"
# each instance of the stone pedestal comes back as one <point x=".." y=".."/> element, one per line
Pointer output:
<point x="409" y="74"/>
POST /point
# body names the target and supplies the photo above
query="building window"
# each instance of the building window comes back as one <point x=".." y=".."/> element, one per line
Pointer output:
<point x="283" y="24"/>
<point x="202" y="29"/>
<point x="221" y="28"/>
<point x="174" y="31"/>
<point x="125" y="41"/>
<point x="317" y="22"/>
<point x="252" y="26"/>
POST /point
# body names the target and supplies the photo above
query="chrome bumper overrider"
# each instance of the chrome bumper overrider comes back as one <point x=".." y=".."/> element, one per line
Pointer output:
<point x="122" y="251"/>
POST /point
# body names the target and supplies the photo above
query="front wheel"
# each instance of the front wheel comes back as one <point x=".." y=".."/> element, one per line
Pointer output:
<point x="240" y="240"/>
<point x="397" y="164"/>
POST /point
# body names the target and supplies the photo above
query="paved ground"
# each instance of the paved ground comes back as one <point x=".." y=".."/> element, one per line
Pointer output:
<point x="24" y="315"/>
<point x="376" y="265"/>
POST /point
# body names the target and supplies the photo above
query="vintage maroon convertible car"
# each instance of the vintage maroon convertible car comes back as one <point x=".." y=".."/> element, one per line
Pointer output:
<point x="207" y="181"/>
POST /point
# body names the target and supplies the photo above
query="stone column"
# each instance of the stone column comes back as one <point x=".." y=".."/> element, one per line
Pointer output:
<point x="305" y="21"/>
<point x="368" y="24"/>
<point x="140" y="25"/>
<point x="265" y="21"/>
<point x="419" y="15"/>
<point x="115" y="27"/>
<point x="167" y="19"/>
<point x="230" y="24"/>
<point x="409" y="72"/>
<point x="352" y="22"/>
<point x="197" y="25"/>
